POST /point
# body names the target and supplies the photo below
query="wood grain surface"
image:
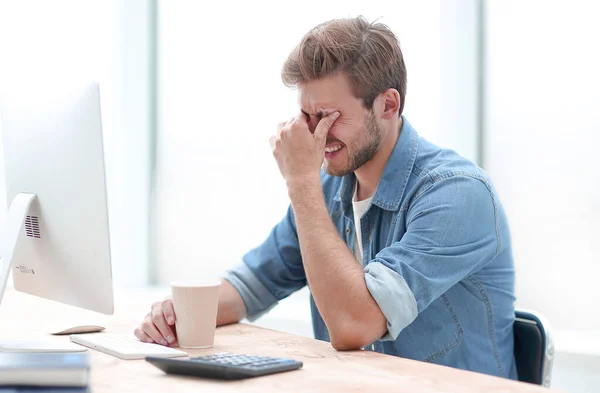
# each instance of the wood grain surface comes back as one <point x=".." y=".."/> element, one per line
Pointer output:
<point x="325" y="369"/>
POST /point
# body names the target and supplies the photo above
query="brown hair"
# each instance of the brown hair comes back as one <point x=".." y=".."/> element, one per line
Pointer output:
<point x="367" y="53"/>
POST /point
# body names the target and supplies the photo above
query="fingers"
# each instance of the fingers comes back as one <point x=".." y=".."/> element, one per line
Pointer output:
<point x="285" y="128"/>
<point x="157" y="326"/>
<point x="151" y="331"/>
<point x="325" y="124"/>
<point x="160" y="322"/>
<point x="143" y="337"/>
<point x="168" y="311"/>
<point x="320" y="132"/>
<point x="301" y="118"/>
<point x="280" y="126"/>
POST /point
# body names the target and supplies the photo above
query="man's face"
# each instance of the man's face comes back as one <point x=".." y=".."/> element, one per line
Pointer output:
<point x="355" y="136"/>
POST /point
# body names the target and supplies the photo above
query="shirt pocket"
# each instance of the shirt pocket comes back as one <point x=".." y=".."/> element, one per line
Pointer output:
<point x="434" y="333"/>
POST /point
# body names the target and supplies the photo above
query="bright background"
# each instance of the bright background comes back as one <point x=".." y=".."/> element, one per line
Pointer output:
<point x="191" y="92"/>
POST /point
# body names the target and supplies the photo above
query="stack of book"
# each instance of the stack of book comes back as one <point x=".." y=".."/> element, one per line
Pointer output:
<point x="25" y="372"/>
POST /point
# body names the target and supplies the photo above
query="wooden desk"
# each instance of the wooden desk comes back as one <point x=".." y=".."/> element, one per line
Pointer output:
<point x="325" y="370"/>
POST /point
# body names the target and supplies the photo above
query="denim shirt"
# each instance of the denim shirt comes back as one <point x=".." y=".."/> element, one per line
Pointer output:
<point x="437" y="260"/>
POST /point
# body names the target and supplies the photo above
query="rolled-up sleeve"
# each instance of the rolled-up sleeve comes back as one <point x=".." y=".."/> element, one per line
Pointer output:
<point x="393" y="296"/>
<point x="451" y="232"/>
<point x="271" y="271"/>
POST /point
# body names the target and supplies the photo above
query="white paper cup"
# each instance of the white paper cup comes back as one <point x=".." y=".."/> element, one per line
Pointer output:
<point x="195" y="304"/>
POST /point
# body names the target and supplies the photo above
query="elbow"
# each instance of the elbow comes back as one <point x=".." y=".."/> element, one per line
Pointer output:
<point x="349" y="339"/>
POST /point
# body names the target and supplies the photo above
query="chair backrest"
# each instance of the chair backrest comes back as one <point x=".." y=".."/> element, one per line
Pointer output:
<point x="534" y="348"/>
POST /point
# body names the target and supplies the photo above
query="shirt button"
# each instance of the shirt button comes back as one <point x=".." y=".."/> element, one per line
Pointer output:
<point x="347" y="230"/>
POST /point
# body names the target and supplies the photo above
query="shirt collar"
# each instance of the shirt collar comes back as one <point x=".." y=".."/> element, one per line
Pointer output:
<point x="396" y="173"/>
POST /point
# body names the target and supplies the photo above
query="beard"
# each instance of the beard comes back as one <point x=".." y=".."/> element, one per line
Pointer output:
<point x="363" y="149"/>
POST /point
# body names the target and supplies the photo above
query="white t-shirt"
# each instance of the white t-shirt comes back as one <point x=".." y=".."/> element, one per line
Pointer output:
<point x="359" y="208"/>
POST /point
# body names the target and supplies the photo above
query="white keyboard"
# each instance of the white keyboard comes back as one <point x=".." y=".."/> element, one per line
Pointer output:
<point x="124" y="346"/>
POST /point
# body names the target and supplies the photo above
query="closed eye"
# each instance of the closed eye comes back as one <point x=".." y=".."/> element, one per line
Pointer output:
<point x="318" y="116"/>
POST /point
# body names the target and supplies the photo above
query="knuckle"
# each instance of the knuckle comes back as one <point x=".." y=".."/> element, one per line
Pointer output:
<point x="147" y="326"/>
<point x="156" y="318"/>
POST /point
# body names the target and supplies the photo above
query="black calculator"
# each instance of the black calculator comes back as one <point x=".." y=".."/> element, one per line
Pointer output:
<point x="225" y="365"/>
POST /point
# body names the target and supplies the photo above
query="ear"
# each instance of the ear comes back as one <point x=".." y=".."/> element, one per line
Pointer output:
<point x="387" y="104"/>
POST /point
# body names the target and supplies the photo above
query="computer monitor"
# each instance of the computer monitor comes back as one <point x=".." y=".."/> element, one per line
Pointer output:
<point x="56" y="232"/>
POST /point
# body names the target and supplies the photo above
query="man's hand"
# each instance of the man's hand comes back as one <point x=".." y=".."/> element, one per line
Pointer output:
<point x="300" y="153"/>
<point x="159" y="325"/>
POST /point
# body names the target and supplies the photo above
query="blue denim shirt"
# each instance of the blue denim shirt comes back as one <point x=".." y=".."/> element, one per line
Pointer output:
<point x="437" y="259"/>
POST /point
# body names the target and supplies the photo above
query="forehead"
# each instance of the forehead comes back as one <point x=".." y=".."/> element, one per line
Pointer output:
<point x="327" y="94"/>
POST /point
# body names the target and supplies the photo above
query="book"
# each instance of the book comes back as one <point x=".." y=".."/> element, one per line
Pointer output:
<point x="42" y="389"/>
<point x="44" y="369"/>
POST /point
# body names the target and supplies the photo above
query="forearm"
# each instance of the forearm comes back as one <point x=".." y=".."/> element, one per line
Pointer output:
<point x="336" y="280"/>
<point x="231" y="306"/>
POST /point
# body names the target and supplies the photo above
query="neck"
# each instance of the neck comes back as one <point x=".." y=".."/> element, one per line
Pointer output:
<point x="369" y="174"/>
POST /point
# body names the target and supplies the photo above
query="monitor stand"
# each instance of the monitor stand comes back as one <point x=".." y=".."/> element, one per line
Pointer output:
<point x="17" y="213"/>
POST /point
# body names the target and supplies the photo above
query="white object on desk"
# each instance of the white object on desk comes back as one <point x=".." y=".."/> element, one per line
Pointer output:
<point x="39" y="345"/>
<point x="76" y="329"/>
<point x="44" y="370"/>
<point x="76" y="322"/>
<point x="125" y="346"/>
<point x="56" y="239"/>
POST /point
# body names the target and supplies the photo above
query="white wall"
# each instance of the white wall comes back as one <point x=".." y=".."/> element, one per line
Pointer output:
<point x="106" y="41"/>
<point x="61" y="39"/>
<point x="541" y="137"/>
<point x="542" y="132"/>
<point x="221" y="96"/>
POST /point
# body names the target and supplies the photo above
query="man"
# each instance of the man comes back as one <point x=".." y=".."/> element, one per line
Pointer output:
<point x="405" y="246"/>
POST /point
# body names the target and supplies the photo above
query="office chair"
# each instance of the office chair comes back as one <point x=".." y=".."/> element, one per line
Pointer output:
<point x="534" y="348"/>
